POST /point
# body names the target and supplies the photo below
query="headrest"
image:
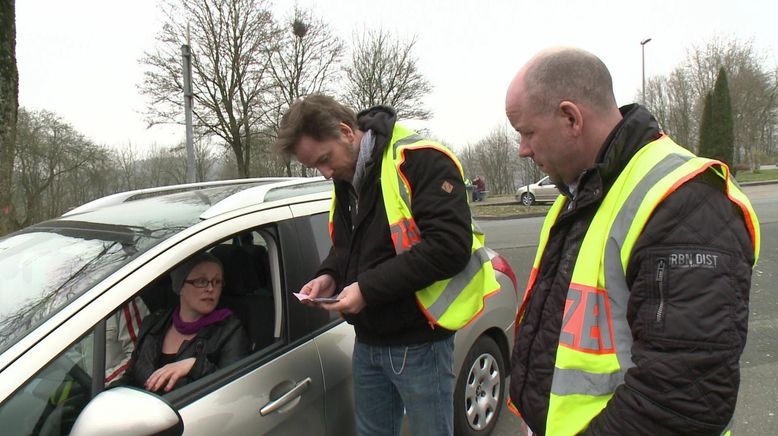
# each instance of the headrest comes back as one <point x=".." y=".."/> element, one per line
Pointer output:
<point x="241" y="275"/>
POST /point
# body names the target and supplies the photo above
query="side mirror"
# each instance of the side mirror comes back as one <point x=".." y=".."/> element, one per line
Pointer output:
<point x="125" y="411"/>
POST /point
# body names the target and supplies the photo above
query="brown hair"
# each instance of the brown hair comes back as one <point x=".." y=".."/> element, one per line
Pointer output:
<point x="318" y="116"/>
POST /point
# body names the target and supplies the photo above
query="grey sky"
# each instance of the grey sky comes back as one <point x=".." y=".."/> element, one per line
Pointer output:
<point x="79" y="58"/>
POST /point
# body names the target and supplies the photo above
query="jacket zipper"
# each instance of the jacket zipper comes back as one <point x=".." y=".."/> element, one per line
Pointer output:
<point x="660" y="284"/>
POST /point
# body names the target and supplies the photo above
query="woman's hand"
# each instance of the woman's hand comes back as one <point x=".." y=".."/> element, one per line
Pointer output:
<point x="168" y="375"/>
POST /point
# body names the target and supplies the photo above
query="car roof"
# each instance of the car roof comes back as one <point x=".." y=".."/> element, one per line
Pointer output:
<point x="186" y="204"/>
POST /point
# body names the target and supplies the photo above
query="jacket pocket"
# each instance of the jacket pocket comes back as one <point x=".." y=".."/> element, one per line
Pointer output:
<point x="690" y="295"/>
<point x="661" y="287"/>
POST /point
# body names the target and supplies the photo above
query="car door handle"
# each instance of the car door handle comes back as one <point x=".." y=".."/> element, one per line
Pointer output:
<point x="283" y="400"/>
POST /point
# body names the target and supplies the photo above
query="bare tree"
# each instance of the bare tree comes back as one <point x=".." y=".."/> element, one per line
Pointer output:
<point x="9" y="105"/>
<point x="673" y="102"/>
<point x="306" y="63"/>
<point x="678" y="99"/>
<point x="94" y="179"/>
<point x="308" y="59"/>
<point x="498" y="156"/>
<point x="49" y="151"/>
<point x="496" y="159"/>
<point x="154" y="168"/>
<point x="167" y="165"/>
<point x="231" y="42"/>
<point x="383" y="70"/>
<point x="468" y="157"/>
<point x="127" y="161"/>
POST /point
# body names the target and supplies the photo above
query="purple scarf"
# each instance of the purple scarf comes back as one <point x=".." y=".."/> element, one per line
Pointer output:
<point x="188" y="328"/>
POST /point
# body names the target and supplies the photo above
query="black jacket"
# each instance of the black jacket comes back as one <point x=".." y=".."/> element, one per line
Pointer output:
<point x="215" y="346"/>
<point x="686" y="376"/>
<point x="363" y="250"/>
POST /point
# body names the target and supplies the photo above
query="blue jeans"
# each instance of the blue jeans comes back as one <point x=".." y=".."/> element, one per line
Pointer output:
<point x="417" y="379"/>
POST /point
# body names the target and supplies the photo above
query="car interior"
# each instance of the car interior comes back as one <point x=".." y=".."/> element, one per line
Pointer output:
<point x="247" y="291"/>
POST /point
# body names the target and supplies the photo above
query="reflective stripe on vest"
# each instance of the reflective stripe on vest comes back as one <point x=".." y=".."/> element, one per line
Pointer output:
<point x="593" y="353"/>
<point x="450" y="303"/>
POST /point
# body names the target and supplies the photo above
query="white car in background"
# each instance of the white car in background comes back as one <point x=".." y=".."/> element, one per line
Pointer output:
<point x="61" y="279"/>
<point x="543" y="191"/>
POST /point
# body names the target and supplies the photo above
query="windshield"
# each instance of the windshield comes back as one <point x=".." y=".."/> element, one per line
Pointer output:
<point x="46" y="266"/>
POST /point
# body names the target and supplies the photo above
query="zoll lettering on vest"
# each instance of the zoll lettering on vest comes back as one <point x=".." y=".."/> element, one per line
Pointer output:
<point x="693" y="260"/>
<point x="594" y="351"/>
<point x="586" y="325"/>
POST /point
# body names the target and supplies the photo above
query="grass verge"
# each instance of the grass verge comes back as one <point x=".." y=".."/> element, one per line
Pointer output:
<point x="507" y="210"/>
<point x="759" y="176"/>
<point x="505" y="206"/>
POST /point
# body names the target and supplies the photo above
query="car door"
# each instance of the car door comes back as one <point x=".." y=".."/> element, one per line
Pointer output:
<point x="337" y="343"/>
<point x="302" y="384"/>
<point x="280" y="396"/>
<point x="546" y="190"/>
<point x="278" y="390"/>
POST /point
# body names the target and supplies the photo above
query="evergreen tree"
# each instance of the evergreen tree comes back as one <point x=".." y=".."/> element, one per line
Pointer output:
<point x="706" y="127"/>
<point x="717" y="136"/>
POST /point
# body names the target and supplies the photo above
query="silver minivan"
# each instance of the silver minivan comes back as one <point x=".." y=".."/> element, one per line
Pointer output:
<point x="62" y="281"/>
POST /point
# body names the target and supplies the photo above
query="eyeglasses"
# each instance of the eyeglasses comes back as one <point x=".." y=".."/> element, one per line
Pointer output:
<point x="203" y="282"/>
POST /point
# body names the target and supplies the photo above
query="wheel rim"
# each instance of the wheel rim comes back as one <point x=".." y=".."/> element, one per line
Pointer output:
<point x="482" y="392"/>
<point x="526" y="199"/>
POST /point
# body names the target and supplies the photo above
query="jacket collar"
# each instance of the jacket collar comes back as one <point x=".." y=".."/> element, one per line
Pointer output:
<point x="379" y="119"/>
<point x="636" y="129"/>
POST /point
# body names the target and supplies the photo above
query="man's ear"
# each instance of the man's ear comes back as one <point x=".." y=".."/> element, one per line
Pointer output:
<point x="572" y="116"/>
<point x="346" y="131"/>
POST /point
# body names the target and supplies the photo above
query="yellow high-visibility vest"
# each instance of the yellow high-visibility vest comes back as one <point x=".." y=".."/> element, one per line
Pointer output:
<point x="451" y="303"/>
<point x="593" y="352"/>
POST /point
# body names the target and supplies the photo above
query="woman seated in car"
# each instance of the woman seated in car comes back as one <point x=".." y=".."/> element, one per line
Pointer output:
<point x="179" y="345"/>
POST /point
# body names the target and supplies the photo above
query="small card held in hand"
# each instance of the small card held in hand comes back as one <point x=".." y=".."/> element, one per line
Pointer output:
<point x="325" y="300"/>
<point x="303" y="297"/>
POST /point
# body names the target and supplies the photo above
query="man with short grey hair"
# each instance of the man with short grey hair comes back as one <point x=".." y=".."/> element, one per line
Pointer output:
<point x="636" y="310"/>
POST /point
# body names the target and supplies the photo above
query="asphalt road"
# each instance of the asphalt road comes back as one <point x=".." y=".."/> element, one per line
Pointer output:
<point x="516" y="239"/>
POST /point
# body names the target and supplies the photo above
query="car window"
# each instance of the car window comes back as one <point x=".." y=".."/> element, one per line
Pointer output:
<point x="50" y="402"/>
<point x="47" y="266"/>
<point x="319" y="226"/>
<point x="248" y="289"/>
<point x="121" y="335"/>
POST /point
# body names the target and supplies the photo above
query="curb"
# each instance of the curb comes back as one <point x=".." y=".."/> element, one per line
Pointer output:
<point x="508" y="217"/>
<point x="761" y="182"/>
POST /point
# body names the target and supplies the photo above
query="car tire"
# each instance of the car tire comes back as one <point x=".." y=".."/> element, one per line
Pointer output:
<point x="527" y="199"/>
<point x="480" y="389"/>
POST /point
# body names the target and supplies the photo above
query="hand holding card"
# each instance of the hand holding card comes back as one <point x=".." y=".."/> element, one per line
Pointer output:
<point x="304" y="297"/>
<point x="333" y="299"/>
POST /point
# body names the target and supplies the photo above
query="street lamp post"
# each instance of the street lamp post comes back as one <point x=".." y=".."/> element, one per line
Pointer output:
<point x="186" y="53"/>
<point x="643" y="52"/>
